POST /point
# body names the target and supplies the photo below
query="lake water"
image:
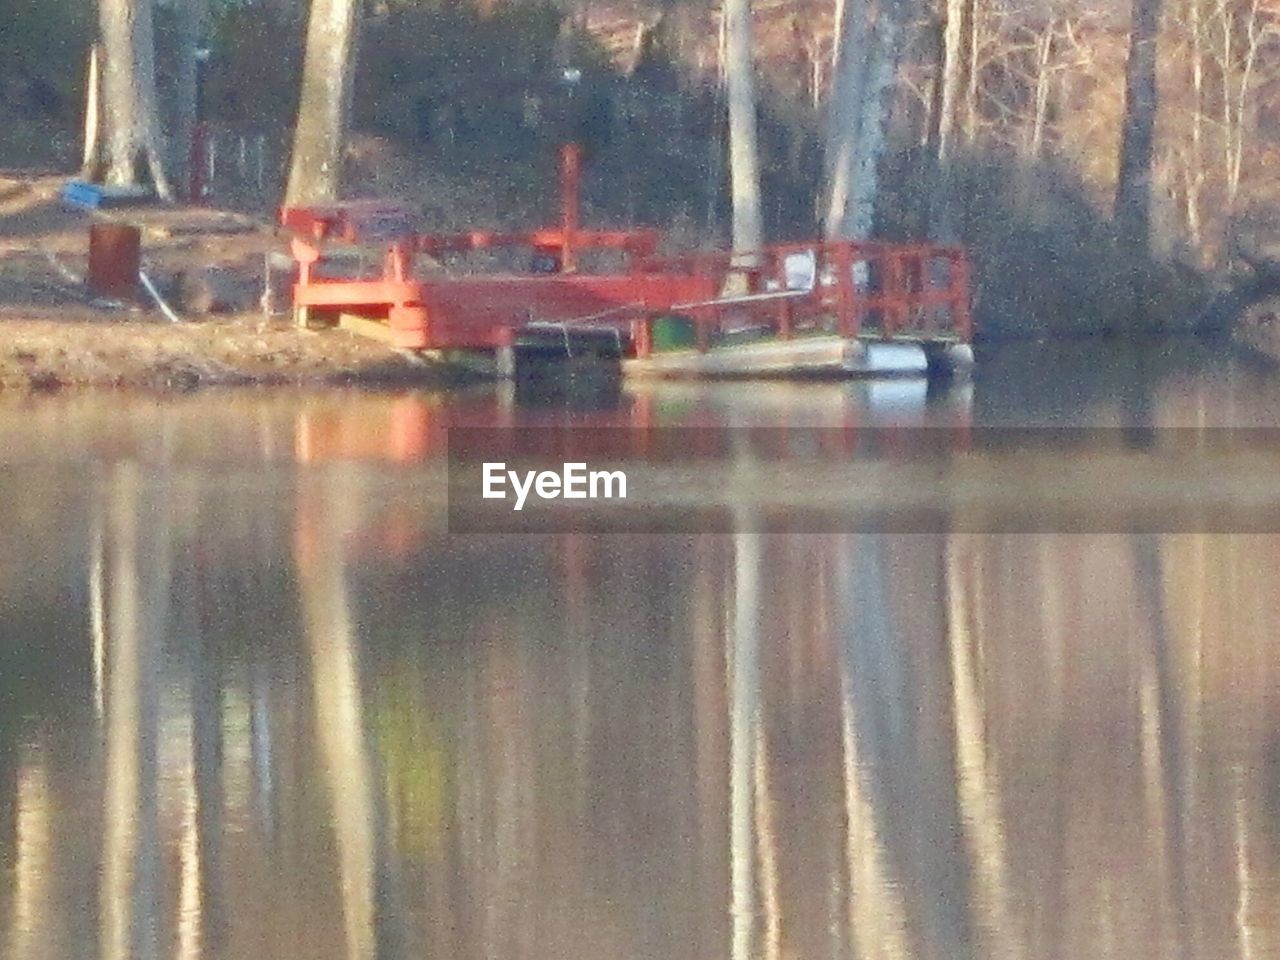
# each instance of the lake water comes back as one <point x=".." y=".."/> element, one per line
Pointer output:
<point x="256" y="701"/>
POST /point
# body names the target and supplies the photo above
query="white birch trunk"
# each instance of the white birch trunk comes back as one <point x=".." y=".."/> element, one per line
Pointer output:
<point x="954" y="75"/>
<point x="1195" y="174"/>
<point x="91" y="165"/>
<point x="129" y="93"/>
<point x="744" y="156"/>
<point x="315" y="172"/>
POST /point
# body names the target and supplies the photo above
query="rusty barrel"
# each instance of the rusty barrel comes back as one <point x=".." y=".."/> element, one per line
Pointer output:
<point x="115" y="254"/>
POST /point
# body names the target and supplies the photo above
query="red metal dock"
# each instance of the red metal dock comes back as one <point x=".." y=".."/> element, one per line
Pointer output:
<point x="798" y="307"/>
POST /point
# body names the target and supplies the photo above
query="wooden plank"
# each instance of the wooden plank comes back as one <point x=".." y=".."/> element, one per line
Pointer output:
<point x="367" y="327"/>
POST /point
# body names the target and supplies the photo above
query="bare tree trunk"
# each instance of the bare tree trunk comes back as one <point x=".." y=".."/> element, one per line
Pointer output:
<point x="744" y="155"/>
<point x="1236" y="127"/>
<point x="877" y="104"/>
<point x="1226" y="62"/>
<point x="91" y="167"/>
<point x="848" y="75"/>
<point x="121" y="107"/>
<point x="191" y="17"/>
<point x="1133" y="186"/>
<point x="129" y="89"/>
<point x="969" y="114"/>
<point x="952" y="101"/>
<point x="1195" y="166"/>
<point x="1044" y="56"/>
<point x="315" y="173"/>
<point x="956" y="36"/>
<point x="813" y="55"/>
<point x="866" y="68"/>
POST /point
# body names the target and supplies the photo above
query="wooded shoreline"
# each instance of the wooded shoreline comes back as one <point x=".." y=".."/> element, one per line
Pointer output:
<point x="58" y="337"/>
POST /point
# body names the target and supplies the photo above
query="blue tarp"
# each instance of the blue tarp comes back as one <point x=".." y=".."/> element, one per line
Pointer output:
<point x="92" y="196"/>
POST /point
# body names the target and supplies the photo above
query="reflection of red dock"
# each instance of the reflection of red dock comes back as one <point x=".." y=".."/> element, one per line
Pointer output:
<point x="791" y="309"/>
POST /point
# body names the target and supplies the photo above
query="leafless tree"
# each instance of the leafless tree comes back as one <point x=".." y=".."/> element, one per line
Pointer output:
<point x="315" y="172"/>
<point x="1218" y="66"/>
<point x="191" y="23"/>
<point x="955" y="97"/>
<point x="870" y="39"/>
<point x="744" y="156"/>
<point x="130" y="107"/>
<point x="1137" y="143"/>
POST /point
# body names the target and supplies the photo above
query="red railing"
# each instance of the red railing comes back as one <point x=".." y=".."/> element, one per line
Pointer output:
<point x="851" y="288"/>
<point x="866" y="290"/>
<point x="389" y="221"/>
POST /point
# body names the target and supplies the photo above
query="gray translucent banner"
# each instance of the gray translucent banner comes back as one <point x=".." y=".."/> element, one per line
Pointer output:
<point x="863" y="479"/>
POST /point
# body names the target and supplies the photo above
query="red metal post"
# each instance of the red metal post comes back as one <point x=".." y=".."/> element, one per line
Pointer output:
<point x="895" y="292"/>
<point x="570" y="180"/>
<point x="783" y="315"/>
<point x="961" y="311"/>
<point x="784" y="319"/>
<point x="703" y="318"/>
<point x="398" y="262"/>
<point x="846" y="295"/>
<point x="913" y="286"/>
<point x="642" y="333"/>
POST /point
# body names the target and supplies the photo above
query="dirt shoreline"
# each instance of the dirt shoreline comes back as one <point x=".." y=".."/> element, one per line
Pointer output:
<point x="54" y="334"/>
<point x="44" y="354"/>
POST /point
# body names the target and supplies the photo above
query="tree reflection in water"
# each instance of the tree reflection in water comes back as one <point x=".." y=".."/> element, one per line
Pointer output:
<point x="260" y="724"/>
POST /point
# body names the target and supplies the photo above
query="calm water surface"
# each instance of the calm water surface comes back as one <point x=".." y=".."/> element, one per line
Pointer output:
<point x="256" y="702"/>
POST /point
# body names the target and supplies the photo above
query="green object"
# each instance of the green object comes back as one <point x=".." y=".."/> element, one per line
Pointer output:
<point x="673" y="332"/>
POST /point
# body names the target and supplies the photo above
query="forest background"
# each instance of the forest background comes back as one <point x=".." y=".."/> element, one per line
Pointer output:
<point x="1004" y="124"/>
